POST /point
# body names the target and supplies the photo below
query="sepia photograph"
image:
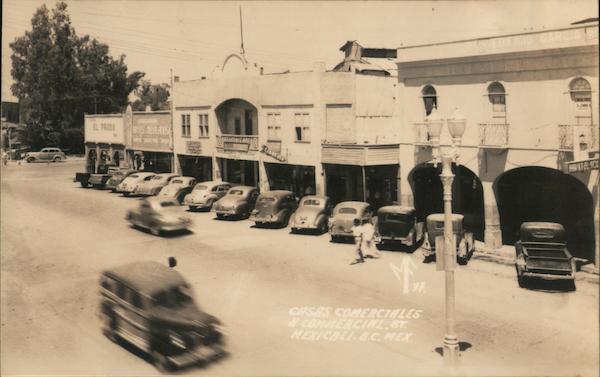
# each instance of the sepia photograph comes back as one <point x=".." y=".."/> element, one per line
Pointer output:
<point x="300" y="188"/>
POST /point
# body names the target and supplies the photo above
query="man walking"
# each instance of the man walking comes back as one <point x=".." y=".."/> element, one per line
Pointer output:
<point x="357" y="232"/>
<point x="368" y="239"/>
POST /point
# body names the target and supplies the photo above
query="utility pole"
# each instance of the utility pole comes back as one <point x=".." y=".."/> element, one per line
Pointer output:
<point x="241" y="32"/>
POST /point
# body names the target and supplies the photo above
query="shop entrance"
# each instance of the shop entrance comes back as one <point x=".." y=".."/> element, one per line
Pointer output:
<point x="343" y="182"/>
<point x="467" y="195"/>
<point x="197" y="167"/>
<point x="156" y="162"/>
<point x="544" y="194"/>
<point x="242" y="172"/>
<point x="381" y="185"/>
<point x="299" y="179"/>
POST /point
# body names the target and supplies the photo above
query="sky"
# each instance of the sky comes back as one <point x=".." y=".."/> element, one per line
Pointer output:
<point x="193" y="37"/>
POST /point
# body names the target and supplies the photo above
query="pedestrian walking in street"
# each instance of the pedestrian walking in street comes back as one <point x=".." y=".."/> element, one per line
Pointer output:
<point x="368" y="240"/>
<point x="4" y="158"/>
<point x="357" y="232"/>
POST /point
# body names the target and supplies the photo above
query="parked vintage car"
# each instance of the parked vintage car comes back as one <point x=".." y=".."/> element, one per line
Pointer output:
<point x="205" y="194"/>
<point x="129" y="184"/>
<point x="239" y="202"/>
<point x="46" y="154"/>
<point x="274" y="207"/>
<point x="398" y="224"/>
<point x="154" y="185"/>
<point x="465" y="242"/>
<point x="104" y="173"/>
<point x="178" y="188"/>
<point x="341" y="221"/>
<point x="151" y="306"/>
<point x="542" y="253"/>
<point x="312" y="214"/>
<point x="158" y="215"/>
<point x="117" y="177"/>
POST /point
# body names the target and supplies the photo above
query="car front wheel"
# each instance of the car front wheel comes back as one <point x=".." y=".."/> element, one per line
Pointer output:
<point x="30" y="159"/>
<point x="57" y="159"/>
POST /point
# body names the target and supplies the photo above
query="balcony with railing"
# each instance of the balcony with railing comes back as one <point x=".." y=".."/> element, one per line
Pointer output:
<point x="421" y="134"/>
<point x="237" y="143"/>
<point x="493" y="135"/>
<point x="565" y="137"/>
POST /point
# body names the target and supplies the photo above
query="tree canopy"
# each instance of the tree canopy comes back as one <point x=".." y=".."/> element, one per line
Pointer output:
<point x="156" y="96"/>
<point x="59" y="76"/>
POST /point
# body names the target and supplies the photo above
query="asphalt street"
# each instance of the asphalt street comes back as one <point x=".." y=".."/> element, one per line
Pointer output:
<point x="265" y="285"/>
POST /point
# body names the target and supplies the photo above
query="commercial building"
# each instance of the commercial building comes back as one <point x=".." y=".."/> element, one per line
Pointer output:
<point x="531" y="111"/>
<point x="105" y="141"/>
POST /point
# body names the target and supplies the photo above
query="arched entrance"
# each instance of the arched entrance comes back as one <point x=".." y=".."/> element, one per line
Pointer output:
<point x="542" y="194"/>
<point x="467" y="194"/>
<point x="237" y="117"/>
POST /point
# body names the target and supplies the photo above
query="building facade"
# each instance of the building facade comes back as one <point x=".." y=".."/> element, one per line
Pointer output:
<point x="531" y="104"/>
<point x="105" y="141"/>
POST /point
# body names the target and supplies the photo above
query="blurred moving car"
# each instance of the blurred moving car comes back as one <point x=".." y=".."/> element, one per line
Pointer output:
<point x="398" y="224"/>
<point x="312" y="214"/>
<point x="342" y="219"/>
<point x="154" y="185"/>
<point x="151" y="306"/>
<point x="158" y="215"/>
<point x="117" y="177"/>
<point x="465" y="243"/>
<point x="178" y="188"/>
<point x="130" y="183"/>
<point x="205" y="194"/>
<point x="542" y="253"/>
<point x="274" y="207"/>
<point x="46" y="154"/>
<point x="238" y="202"/>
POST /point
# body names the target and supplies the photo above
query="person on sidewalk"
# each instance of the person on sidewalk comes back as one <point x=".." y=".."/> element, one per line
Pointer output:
<point x="357" y="232"/>
<point x="368" y="240"/>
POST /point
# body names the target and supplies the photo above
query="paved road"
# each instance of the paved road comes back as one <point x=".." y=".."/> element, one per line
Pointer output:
<point x="56" y="238"/>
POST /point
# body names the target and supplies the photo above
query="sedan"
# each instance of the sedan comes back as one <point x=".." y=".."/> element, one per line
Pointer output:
<point x="312" y="214"/>
<point x="344" y="214"/>
<point x="205" y="194"/>
<point x="239" y="201"/>
<point x="154" y="185"/>
<point x="158" y="215"/>
<point x="178" y="188"/>
<point x="129" y="184"/>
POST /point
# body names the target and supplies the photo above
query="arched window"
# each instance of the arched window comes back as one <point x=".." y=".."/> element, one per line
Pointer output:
<point x="429" y="98"/>
<point x="580" y="90"/>
<point x="497" y="96"/>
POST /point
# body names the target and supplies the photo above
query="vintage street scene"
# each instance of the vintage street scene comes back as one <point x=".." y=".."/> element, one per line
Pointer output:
<point x="300" y="188"/>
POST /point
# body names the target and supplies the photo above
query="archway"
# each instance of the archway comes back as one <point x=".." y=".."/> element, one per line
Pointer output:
<point x="237" y="117"/>
<point x="467" y="194"/>
<point x="542" y="194"/>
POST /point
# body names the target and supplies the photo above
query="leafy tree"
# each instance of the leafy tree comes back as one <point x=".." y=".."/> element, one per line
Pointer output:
<point x="59" y="76"/>
<point x="155" y="96"/>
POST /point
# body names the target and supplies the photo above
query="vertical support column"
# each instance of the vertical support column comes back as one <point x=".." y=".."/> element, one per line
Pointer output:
<point x="364" y="183"/>
<point x="263" y="178"/>
<point x="216" y="169"/>
<point x="492" y="233"/>
<point x="320" y="180"/>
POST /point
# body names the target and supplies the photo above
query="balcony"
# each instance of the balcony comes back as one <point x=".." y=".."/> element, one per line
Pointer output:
<point x="421" y="134"/>
<point x="237" y="143"/>
<point x="565" y="137"/>
<point x="492" y="135"/>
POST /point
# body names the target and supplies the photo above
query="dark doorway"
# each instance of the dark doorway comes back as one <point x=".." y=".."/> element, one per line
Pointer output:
<point x="544" y="194"/>
<point x="344" y="182"/>
<point x="296" y="178"/>
<point x="381" y="185"/>
<point x="116" y="158"/>
<point x="467" y="195"/>
<point x="197" y="167"/>
<point x="241" y="172"/>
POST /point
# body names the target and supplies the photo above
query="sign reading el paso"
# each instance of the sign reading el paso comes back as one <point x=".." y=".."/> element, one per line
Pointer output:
<point x="151" y="131"/>
<point x="106" y="128"/>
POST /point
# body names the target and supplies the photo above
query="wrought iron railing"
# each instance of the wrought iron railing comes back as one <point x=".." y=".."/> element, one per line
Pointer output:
<point x="241" y="143"/>
<point x="493" y="135"/>
<point x="421" y="134"/>
<point x="565" y="137"/>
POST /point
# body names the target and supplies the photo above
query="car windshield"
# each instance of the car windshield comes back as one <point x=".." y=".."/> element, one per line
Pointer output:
<point x="347" y="210"/>
<point x="173" y="297"/>
<point x="168" y="204"/>
<point x="201" y="187"/>
<point x="177" y="181"/>
<point x="311" y="202"/>
<point x="266" y="200"/>
<point x="235" y="192"/>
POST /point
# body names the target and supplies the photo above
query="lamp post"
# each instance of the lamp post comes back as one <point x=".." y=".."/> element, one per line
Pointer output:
<point x="456" y="127"/>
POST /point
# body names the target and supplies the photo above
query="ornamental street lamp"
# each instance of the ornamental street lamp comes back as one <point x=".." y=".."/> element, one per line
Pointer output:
<point x="456" y="126"/>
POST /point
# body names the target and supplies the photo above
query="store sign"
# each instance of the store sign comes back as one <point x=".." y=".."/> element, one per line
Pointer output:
<point x="265" y="149"/>
<point x="151" y="132"/>
<point x="104" y="129"/>
<point x="193" y="147"/>
<point x="582" y="166"/>
<point x="232" y="146"/>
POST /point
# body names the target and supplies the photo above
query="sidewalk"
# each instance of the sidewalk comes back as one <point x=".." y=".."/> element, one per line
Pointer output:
<point x="506" y="255"/>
